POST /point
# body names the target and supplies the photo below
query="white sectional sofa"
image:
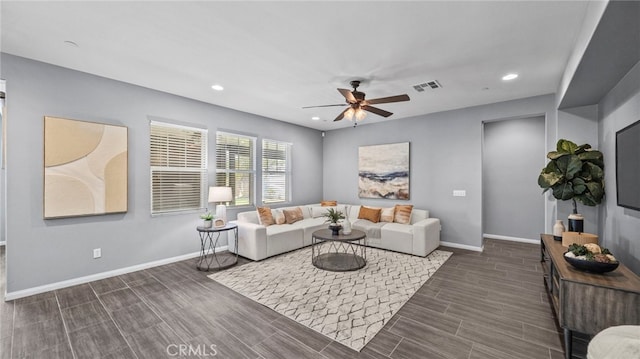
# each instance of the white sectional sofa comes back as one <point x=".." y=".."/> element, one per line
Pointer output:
<point x="258" y="242"/>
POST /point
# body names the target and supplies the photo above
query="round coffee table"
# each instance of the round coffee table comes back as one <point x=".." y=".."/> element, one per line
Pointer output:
<point x="339" y="253"/>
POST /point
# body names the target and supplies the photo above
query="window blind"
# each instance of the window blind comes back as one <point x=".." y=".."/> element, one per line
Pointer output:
<point x="178" y="162"/>
<point x="235" y="166"/>
<point x="276" y="173"/>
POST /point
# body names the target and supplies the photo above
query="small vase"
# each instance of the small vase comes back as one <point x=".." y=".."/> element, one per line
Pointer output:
<point x="346" y="226"/>
<point x="558" y="228"/>
<point x="335" y="230"/>
<point x="207" y="224"/>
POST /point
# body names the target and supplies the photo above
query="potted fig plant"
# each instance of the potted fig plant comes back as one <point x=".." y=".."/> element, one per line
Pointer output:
<point x="574" y="173"/>
<point x="333" y="216"/>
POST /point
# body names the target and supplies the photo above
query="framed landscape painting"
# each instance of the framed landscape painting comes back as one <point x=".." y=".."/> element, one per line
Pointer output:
<point x="383" y="171"/>
<point x="85" y="168"/>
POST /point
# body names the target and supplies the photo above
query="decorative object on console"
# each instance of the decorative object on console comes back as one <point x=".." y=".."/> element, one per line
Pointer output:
<point x="569" y="238"/>
<point x="591" y="258"/>
<point x="576" y="222"/>
<point x="383" y="171"/>
<point x="221" y="195"/>
<point x="558" y="228"/>
<point x="207" y="219"/>
<point x="574" y="173"/>
<point x="85" y="168"/>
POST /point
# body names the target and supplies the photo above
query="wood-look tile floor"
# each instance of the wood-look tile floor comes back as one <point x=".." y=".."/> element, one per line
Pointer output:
<point x="477" y="305"/>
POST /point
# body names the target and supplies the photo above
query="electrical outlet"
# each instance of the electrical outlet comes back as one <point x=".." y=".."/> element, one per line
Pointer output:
<point x="97" y="253"/>
<point x="459" y="193"/>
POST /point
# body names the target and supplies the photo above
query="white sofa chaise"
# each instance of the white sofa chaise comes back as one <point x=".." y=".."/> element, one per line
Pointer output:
<point x="257" y="242"/>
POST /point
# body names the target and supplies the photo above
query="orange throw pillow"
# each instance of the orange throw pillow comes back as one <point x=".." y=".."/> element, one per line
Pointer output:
<point x="265" y="216"/>
<point x="403" y="213"/>
<point x="371" y="214"/>
<point x="328" y="203"/>
<point x="292" y="215"/>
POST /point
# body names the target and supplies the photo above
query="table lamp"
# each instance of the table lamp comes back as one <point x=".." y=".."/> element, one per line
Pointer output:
<point x="220" y="195"/>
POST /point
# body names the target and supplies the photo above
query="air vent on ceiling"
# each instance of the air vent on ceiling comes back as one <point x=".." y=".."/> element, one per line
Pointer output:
<point x="427" y="85"/>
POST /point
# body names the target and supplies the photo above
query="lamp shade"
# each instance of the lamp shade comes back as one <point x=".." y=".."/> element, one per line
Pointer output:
<point x="220" y="194"/>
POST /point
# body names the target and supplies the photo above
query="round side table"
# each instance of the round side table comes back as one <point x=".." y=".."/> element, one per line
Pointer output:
<point x="210" y="259"/>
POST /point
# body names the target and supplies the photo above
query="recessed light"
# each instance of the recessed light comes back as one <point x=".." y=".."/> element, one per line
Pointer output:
<point x="315" y="118"/>
<point x="217" y="87"/>
<point x="71" y="43"/>
<point x="509" y="77"/>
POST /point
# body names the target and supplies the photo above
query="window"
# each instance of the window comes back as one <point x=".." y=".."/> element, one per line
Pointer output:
<point x="178" y="168"/>
<point x="276" y="171"/>
<point x="235" y="166"/>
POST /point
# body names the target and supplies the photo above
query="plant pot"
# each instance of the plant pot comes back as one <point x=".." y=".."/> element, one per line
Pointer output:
<point x="335" y="230"/>
<point x="207" y="223"/>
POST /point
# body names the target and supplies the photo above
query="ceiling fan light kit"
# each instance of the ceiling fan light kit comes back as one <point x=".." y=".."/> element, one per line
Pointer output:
<point x="357" y="105"/>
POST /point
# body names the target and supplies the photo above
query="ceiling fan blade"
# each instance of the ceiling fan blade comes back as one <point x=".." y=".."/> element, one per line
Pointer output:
<point x="342" y="104"/>
<point x="341" y="115"/>
<point x="377" y="111"/>
<point x="348" y="95"/>
<point x="389" y="99"/>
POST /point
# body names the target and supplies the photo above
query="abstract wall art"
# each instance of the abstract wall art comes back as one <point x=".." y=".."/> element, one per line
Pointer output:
<point x="85" y="168"/>
<point x="383" y="171"/>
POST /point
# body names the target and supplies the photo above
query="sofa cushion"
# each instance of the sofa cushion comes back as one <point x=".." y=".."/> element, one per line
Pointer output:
<point x="370" y="214"/>
<point x="293" y="215"/>
<point x="373" y="230"/>
<point x="402" y="213"/>
<point x="328" y="203"/>
<point x="398" y="237"/>
<point x="283" y="238"/>
<point x="264" y="216"/>
<point x="387" y="214"/>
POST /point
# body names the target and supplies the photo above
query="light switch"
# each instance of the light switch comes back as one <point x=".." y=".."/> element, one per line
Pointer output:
<point x="459" y="193"/>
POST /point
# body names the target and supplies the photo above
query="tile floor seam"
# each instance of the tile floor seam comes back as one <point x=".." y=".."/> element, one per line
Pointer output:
<point x="66" y="329"/>
<point x="115" y="324"/>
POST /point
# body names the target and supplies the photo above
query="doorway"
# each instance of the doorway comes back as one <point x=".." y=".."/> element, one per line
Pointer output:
<point x="512" y="158"/>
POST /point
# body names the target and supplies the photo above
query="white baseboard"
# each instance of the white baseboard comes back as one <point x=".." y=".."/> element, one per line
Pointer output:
<point x="512" y="239"/>
<point x="90" y="278"/>
<point x="462" y="246"/>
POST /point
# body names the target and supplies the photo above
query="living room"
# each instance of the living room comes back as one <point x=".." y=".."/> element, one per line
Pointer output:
<point x="44" y="255"/>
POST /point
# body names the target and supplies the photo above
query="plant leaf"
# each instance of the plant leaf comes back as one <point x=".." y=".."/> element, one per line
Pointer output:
<point x="594" y="157"/>
<point x="569" y="166"/>
<point x="563" y="191"/>
<point x="595" y="173"/>
<point x="597" y="191"/>
<point x="566" y="146"/>
<point x="578" y="186"/>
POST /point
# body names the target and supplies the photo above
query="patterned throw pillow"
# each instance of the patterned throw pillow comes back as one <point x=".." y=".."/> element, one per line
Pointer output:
<point x="403" y="213"/>
<point x="293" y="215"/>
<point x="278" y="216"/>
<point x="371" y="214"/>
<point x="264" y="216"/>
<point x="329" y="203"/>
<point x="387" y="214"/>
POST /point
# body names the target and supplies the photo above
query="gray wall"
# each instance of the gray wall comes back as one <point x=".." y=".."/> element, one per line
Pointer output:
<point x="42" y="252"/>
<point x="446" y="154"/>
<point x="619" y="227"/>
<point x="513" y="155"/>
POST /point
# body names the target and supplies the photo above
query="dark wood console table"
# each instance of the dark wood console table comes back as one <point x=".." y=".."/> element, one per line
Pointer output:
<point x="587" y="302"/>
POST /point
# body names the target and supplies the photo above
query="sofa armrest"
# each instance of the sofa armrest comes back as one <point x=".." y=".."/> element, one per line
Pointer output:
<point x="426" y="236"/>
<point x="252" y="240"/>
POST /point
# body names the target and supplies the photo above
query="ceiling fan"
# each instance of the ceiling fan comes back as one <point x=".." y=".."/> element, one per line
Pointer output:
<point x="358" y="105"/>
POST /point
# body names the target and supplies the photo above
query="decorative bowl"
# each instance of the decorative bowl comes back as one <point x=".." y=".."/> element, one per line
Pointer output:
<point x="591" y="266"/>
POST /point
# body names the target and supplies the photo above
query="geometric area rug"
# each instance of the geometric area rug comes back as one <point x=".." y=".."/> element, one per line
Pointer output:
<point x="348" y="307"/>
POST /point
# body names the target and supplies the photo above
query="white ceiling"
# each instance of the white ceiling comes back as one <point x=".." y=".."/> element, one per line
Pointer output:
<point x="273" y="58"/>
